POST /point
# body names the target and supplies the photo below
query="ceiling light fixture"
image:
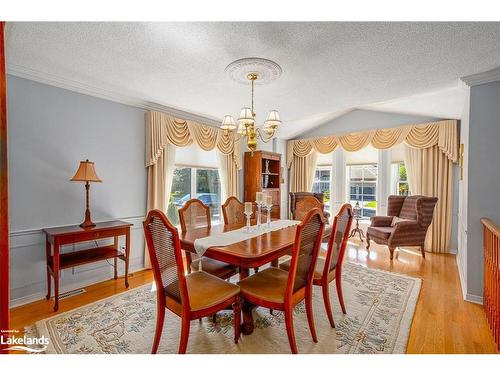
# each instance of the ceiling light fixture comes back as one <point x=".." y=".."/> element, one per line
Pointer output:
<point x="265" y="71"/>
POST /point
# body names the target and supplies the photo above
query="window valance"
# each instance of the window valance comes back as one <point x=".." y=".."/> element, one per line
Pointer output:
<point x="162" y="128"/>
<point x="442" y="133"/>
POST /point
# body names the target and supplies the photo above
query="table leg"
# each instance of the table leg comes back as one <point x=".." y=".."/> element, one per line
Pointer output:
<point x="116" y="258"/>
<point x="127" y="255"/>
<point x="48" y="255"/>
<point x="247" y="326"/>
<point x="55" y="271"/>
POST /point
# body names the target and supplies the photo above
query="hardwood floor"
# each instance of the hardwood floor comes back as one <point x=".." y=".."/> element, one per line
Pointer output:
<point x="443" y="321"/>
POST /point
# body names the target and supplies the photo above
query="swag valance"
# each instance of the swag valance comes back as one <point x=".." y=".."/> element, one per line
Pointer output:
<point x="441" y="133"/>
<point x="161" y="128"/>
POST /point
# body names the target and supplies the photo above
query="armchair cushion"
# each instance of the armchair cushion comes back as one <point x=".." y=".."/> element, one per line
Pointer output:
<point x="396" y="220"/>
<point x="381" y="233"/>
<point x="381" y="221"/>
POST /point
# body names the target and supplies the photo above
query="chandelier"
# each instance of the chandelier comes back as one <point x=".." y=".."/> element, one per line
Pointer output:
<point x="246" y="127"/>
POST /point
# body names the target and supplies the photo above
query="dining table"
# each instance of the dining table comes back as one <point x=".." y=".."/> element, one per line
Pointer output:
<point x="247" y="254"/>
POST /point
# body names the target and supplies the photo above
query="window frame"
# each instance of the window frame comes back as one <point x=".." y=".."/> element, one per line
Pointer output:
<point x="325" y="167"/>
<point x="193" y="189"/>
<point x="348" y="182"/>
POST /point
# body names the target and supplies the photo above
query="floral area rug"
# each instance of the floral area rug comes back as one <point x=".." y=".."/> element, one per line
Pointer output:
<point x="380" y="307"/>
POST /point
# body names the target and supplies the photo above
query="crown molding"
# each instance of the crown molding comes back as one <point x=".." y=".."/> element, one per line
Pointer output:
<point x="98" y="92"/>
<point x="482" y="78"/>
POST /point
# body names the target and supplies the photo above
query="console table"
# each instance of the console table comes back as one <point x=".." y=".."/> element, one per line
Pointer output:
<point x="57" y="237"/>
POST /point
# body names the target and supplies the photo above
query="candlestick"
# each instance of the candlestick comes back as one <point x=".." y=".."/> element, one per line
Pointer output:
<point x="259" y="213"/>
<point x="268" y="200"/>
<point x="268" y="223"/>
<point x="248" y="228"/>
<point x="258" y="197"/>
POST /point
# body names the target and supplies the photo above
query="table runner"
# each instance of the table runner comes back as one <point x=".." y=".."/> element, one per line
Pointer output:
<point x="228" y="238"/>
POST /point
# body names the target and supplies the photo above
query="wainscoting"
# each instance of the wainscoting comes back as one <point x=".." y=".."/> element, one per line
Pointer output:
<point x="28" y="280"/>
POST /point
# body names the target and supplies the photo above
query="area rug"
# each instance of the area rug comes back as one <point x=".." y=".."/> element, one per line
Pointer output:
<point x="380" y="307"/>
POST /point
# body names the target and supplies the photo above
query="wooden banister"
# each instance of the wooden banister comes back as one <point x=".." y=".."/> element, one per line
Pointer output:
<point x="4" y="213"/>
<point x="491" y="294"/>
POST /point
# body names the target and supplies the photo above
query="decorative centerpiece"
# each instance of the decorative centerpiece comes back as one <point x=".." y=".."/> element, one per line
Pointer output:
<point x="268" y="202"/>
<point x="259" y="200"/>
<point x="248" y="214"/>
<point x="357" y="215"/>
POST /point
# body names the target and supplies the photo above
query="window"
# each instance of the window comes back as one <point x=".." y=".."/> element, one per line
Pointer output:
<point x="362" y="187"/>
<point x="195" y="182"/>
<point x="399" y="180"/>
<point x="321" y="184"/>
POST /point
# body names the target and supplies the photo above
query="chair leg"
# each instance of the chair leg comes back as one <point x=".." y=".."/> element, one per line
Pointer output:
<point x="310" y="316"/>
<point x="214" y="318"/>
<point x="237" y="319"/>
<point x="328" y="307"/>
<point x="338" y="285"/>
<point x="422" y="251"/>
<point x="367" y="241"/>
<point x="289" y="329"/>
<point x="391" y="250"/>
<point x="184" y="334"/>
<point x="159" y="328"/>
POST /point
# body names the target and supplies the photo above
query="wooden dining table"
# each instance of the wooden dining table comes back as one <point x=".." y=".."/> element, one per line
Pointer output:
<point x="247" y="254"/>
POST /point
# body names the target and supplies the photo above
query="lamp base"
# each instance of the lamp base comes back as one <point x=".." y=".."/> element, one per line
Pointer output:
<point x="87" y="223"/>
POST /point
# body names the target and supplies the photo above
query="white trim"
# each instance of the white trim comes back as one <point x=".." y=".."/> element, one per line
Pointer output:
<point x="98" y="92"/>
<point x="474" y="298"/>
<point x="36" y="231"/>
<point x="482" y="78"/>
<point x="463" y="283"/>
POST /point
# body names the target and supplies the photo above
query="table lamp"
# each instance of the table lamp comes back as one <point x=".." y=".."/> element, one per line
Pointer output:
<point x="86" y="173"/>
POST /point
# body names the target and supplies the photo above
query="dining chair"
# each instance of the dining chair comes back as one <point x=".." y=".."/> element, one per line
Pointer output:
<point x="195" y="214"/>
<point x="329" y="268"/>
<point x="278" y="289"/>
<point x="189" y="296"/>
<point x="233" y="212"/>
<point x="306" y="204"/>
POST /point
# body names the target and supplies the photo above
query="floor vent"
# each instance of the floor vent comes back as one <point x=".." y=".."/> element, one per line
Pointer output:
<point x="72" y="293"/>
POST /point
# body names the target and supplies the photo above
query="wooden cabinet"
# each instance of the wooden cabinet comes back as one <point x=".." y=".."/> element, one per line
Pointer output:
<point x="262" y="171"/>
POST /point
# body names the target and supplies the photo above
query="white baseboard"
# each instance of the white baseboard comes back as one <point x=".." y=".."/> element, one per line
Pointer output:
<point x="474" y="298"/>
<point x="461" y="276"/>
<point x="66" y="288"/>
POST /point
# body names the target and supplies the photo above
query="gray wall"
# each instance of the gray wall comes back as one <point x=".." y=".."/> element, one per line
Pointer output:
<point x="483" y="175"/>
<point x="50" y="131"/>
<point x="359" y="120"/>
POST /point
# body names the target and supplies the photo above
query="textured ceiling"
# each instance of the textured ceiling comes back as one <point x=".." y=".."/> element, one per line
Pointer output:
<point x="327" y="67"/>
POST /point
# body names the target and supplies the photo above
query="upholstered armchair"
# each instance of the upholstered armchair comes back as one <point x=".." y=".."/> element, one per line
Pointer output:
<point x="406" y="223"/>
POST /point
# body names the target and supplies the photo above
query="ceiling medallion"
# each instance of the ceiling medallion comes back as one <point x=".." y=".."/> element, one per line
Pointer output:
<point x="267" y="70"/>
<point x="256" y="71"/>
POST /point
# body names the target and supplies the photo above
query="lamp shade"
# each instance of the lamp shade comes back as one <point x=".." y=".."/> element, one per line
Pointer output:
<point x="273" y="119"/>
<point x="246" y="116"/>
<point x="228" y="123"/>
<point x="86" y="172"/>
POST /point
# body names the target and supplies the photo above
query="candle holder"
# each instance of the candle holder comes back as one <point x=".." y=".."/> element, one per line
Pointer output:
<point x="268" y="219"/>
<point x="259" y="215"/>
<point x="248" y="227"/>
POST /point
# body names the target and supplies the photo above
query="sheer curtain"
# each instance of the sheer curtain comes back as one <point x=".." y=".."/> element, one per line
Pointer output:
<point x="160" y="177"/>
<point x="302" y="172"/>
<point x="228" y="173"/>
<point x="430" y="173"/>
